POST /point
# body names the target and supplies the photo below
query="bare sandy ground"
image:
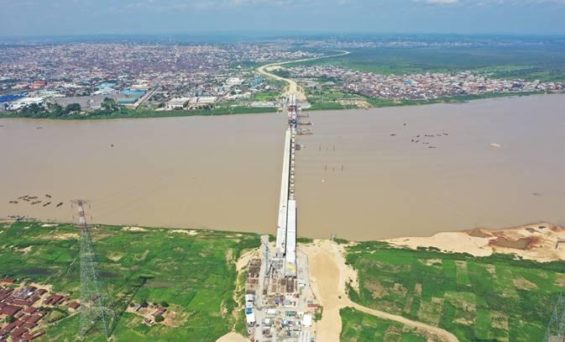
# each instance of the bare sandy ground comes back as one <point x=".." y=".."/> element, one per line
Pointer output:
<point x="534" y="242"/>
<point x="328" y="284"/>
<point x="329" y="276"/>
<point x="245" y="258"/>
<point x="232" y="337"/>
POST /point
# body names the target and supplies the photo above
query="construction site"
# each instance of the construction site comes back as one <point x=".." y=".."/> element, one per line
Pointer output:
<point x="279" y="302"/>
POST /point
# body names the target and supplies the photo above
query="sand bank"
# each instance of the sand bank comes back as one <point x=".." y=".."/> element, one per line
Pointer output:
<point x="539" y="242"/>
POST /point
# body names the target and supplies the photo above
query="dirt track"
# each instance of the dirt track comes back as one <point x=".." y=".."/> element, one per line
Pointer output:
<point x="329" y="274"/>
<point x="293" y="87"/>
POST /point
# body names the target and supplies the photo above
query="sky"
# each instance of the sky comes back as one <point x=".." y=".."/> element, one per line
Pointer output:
<point x="72" y="17"/>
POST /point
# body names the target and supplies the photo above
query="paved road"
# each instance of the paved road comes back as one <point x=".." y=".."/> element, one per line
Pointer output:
<point x="293" y="87"/>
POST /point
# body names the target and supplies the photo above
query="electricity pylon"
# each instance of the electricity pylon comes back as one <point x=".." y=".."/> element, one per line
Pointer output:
<point x="93" y="300"/>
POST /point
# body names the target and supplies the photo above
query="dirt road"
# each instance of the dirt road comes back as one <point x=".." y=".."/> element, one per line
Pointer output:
<point x="329" y="274"/>
<point x="292" y="88"/>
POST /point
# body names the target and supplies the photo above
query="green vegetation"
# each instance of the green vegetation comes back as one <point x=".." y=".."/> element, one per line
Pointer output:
<point x="110" y="110"/>
<point x="486" y="299"/>
<point x="272" y="95"/>
<point x="124" y="113"/>
<point x="304" y="240"/>
<point x="357" y="326"/>
<point x="328" y="99"/>
<point x="194" y="274"/>
<point x="375" y="102"/>
<point x="542" y="62"/>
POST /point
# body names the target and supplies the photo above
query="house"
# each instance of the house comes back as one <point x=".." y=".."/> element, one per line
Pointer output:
<point x="9" y="310"/>
<point x="74" y="305"/>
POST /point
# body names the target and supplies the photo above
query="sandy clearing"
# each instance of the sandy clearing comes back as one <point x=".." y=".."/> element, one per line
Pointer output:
<point x="327" y="288"/>
<point x="546" y="248"/>
<point x="232" y="337"/>
<point x="329" y="276"/>
<point x="134" y="229"/>
<point x="62" y="236"/>
<point x="191" y="232"/>
<point x="451" y="242"/>
<point x="245" y="258"/>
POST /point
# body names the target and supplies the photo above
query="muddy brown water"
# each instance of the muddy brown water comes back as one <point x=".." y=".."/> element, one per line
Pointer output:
<point x="362" y="175"/>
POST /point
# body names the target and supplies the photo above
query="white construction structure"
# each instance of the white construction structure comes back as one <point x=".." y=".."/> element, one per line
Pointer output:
<point x="287" y="220"/>
<point x="283" y="202"/>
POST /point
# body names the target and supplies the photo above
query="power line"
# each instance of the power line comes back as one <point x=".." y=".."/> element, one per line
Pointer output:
<point x="93" y="300"/>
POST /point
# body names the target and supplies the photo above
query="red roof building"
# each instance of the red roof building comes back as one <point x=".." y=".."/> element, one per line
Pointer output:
<point x="10" y="310"/>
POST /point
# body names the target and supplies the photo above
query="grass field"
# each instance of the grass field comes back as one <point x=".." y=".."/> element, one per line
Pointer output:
<point x="266" y="96"/>
<point x="328" y="99"/>
<point x="360" y="327"/>
<point x="493" y="298"/>
<point x="195" y="274"/>
<point x="543" y="62"/>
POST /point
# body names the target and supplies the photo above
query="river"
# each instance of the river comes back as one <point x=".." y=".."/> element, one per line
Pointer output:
<point x="361" y="175"/>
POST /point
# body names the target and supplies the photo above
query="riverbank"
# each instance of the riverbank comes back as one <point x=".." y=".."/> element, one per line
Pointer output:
<point x="539" y="242"/>
<point x="417" y="291"/>
<point x="225" y="111"/>
<point x="141" y="114"/>
<point x="423" y="293"/>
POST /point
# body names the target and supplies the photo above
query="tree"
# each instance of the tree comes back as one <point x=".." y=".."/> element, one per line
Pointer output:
<point x="10" y="319"/>
<point x="72" y="108"/>
<point x="33" y="108"/>
<point x="159" y="319"/>
<point x="109" y="105"/>
<point x="55" y="109"/>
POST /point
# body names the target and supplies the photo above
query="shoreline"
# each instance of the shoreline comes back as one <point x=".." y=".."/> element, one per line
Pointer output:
<point x="535" y="241"/>
<point x="539" y="242"/>
<point x="259" y="111"/>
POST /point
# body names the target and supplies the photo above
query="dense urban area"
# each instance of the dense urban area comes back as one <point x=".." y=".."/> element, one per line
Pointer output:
<point x="161" y="77"/>
<point x="80" y="79"/>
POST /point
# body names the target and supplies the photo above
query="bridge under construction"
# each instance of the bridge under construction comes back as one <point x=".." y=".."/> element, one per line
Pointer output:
<point x="280" y="304"/>
<point x="287" y="219"/>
